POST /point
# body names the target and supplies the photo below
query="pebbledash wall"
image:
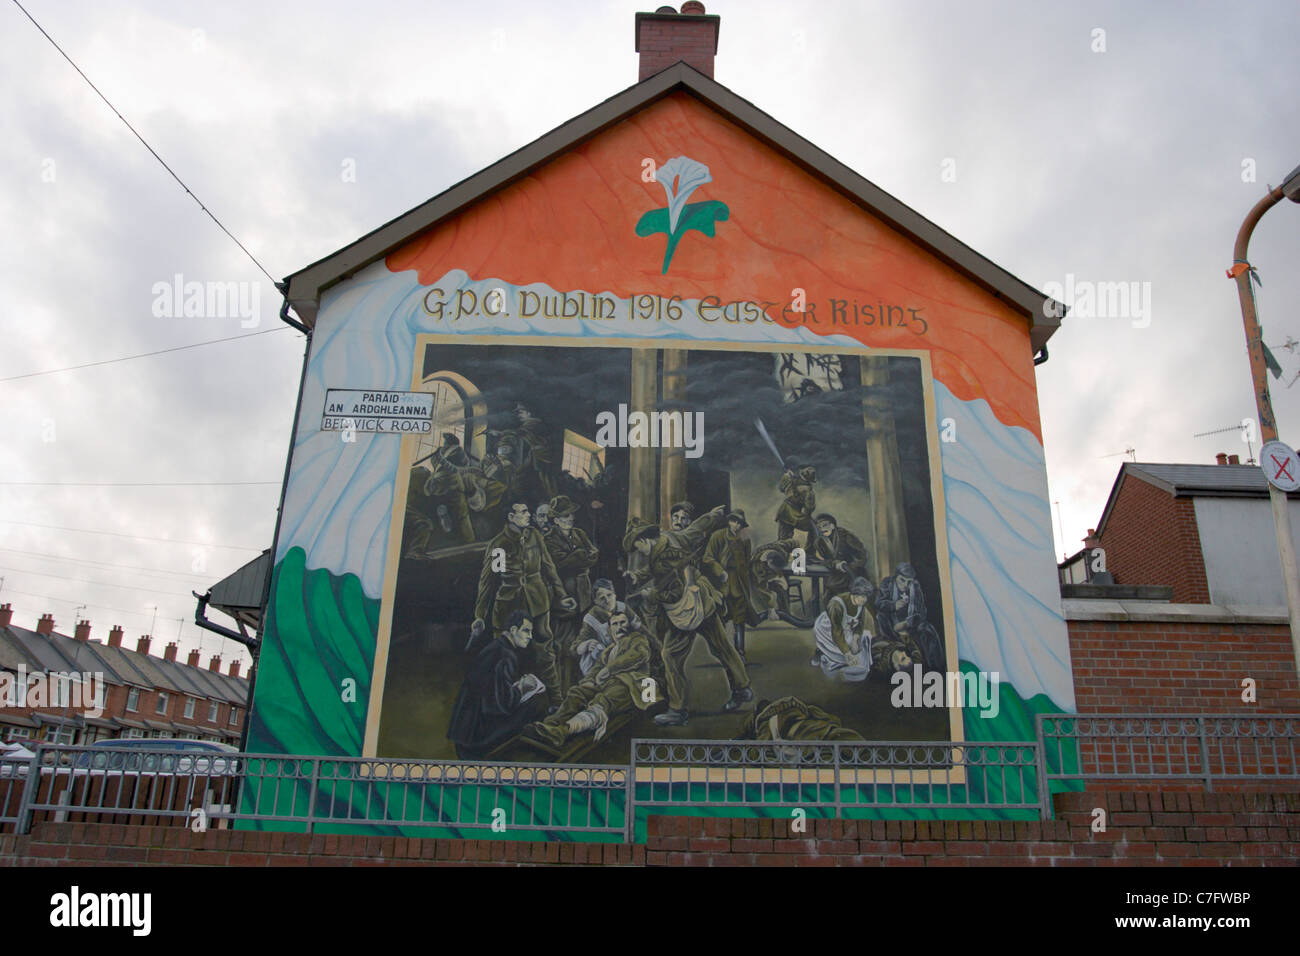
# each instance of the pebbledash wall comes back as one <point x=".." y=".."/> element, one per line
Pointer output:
<point x="781" y="251"/>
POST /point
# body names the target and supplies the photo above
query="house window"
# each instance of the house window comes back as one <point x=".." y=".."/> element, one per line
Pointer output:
<point x="20" y="732"/>
<point x="133" y="733"/>
<point x="61" y="735"/>
<point x="133" y="698"/>
<point x="212" y="712"/>
<point x="162" y="704"/>
<point x="234" y="713"/>
<point x="189" y="708"/>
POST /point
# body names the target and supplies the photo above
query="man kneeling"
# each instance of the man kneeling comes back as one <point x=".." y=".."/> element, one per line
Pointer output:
<point x="620" y="682"/>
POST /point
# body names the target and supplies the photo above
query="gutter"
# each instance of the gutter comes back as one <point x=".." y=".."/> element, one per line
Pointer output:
<point x="200" y="618"/>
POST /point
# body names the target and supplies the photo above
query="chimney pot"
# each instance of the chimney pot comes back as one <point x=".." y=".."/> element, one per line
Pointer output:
<point x="1234" y="459"/>
<point x="234" y="668"/>
<point x="666" y="37"/>
<point x="6" y="614"/>
<point x="142" y="645"/>
<point x="115" y="636"/>
<point x="215" y="663"/>
<point x="169" y="652"/>
<point x="45" y="625"/>
<point x="1221" y="458"/>
<point x="194" y="658"/>
<point x="82" y="631"/>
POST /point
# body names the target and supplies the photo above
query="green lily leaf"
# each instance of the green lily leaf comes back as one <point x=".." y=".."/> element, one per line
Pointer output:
<point x="701" y="216"/>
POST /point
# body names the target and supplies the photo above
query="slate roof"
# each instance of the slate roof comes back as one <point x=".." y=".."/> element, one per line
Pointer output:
<point x="1193" y="481"/>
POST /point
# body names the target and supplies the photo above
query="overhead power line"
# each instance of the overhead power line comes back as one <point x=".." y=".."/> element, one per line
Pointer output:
<point x="44" y="556"/>
<point x="152" y="152"/>
<point x="100" y="607"/>
<point x="128" y="358"/>
<point x="140" y="537"/>
<point x="104" y="584"/>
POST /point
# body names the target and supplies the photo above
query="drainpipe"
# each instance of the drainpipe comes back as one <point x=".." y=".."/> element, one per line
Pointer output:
<point x="1041" y="357"/>
<point x="283" y="287"/>
<point x="200" y="618"/>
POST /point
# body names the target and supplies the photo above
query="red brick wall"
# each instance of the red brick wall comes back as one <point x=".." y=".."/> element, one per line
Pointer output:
<point x="663" y="42"/>
<point x="1151" y="538"/>
<point x="1182" y="829"/>
<point x="1137" y="667"/>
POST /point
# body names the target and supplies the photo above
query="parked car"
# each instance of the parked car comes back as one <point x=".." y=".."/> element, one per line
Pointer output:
<point x="158" y="755"/>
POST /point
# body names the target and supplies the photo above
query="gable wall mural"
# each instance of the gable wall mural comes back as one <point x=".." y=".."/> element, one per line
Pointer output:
<point x="697" y="449"/>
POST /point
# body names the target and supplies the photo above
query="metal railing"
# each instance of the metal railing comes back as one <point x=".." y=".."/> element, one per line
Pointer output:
<point x="1204" y="748"/>
<point x="840" y="776"/>
<point x="891" y="779"/>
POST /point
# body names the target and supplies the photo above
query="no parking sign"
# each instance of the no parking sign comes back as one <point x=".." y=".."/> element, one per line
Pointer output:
<point x="1281" y="465"/>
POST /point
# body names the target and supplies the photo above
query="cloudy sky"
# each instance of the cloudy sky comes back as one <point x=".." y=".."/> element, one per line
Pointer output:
<point x="1071" y="143"/>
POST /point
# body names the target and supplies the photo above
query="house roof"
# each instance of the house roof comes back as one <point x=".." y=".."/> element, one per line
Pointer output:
<point x="1193" y="481"/>
<point x="239" y="593"/>
<point x="303" y="288"/>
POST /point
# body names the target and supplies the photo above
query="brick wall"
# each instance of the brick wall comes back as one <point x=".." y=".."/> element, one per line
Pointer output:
<point x="1172" y="829"/>
<point x="1169" y="667"/>
<point x="662" y="42"/>
<point x="1151" y="538"/>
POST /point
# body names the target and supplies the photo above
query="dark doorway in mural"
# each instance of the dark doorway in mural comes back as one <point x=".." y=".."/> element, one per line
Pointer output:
<point x="606" y="543"/>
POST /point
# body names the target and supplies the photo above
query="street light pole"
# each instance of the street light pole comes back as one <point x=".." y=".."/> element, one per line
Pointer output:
<point x="1290" y="189"/>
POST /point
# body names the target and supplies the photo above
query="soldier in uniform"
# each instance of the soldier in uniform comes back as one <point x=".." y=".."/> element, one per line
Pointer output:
<point x="796" y="511"/>
<point x="500" y="470"/>
<point x="593" y="638"/>
<point x="449" y="488"/>
<point x="684" y="605"/>
<point x="617" y="686"/>
<point x="727" y="559"/>
<point x="529" y="583"/>
<point x="841" y="551"/>
<point x="790" y="718"/>
<point x="536" y="447"/>
<point x="573" y="555"/>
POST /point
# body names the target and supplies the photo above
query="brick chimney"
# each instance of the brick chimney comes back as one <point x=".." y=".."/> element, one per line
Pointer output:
<point x="1090" y="540"/>
<point x="115" y="636"/>
<point x="169" y="652"/>
<point x="6" y="614"/>
<point x="666" y="36"/>
<point x="194" y="658"/>
<point x="1234" y="459"/>
<point x="142" y="645"/>
<point x="45" y="625"/>
<point x="1221" y="458"/>
<point x="214" y="665"/>
<point x="82" y="631"/>
<point x="234" y="668"/>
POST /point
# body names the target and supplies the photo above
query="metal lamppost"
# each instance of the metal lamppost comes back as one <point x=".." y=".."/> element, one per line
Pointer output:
<point x="1290" y="189"/>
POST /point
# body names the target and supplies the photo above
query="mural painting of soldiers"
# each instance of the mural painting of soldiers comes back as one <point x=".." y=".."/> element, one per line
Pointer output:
<point x="796" y="511"/>
<point x="535" y="448"/>
<point x="450" y="488"/>
<point x="768" y="569"/>
<point x="528" y="583"/>
<point x="843" y="634"/>
<point x="594" y="636"/>
<point x="791" y="718"/>
<point x="684" y="605"/>
<point x="619" y="685"/>
<point x="727" y="559"/>
<point x="500" y="470"/>
<point x="495" y="701"/>
<point x="573" y="555"/>
<point x="841" y="551"/>
<point x="906" y="636"/>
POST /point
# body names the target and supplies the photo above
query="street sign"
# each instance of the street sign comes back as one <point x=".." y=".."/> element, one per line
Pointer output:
<point x="391" y="413"/>
<point x="1281" y="465"/>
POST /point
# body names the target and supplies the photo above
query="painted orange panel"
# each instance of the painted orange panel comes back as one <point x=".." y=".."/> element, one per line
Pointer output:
<point x="571" y="224"/>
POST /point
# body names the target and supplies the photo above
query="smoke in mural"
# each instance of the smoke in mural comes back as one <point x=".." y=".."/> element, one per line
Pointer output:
<point x="604" y="543"/>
